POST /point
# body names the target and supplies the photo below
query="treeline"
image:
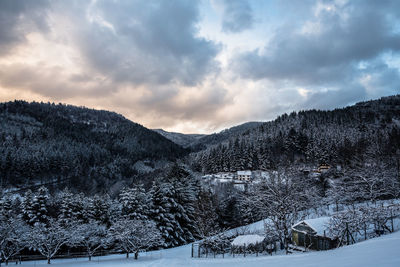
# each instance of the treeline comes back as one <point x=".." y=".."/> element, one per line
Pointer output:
<point x="90" y="149"/>
<point x="174" y="211"/>
<point x="350" y="137"/>
<point x="177" y="209"/>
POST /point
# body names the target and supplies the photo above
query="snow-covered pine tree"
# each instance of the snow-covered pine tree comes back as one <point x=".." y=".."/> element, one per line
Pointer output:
<point x="35" y="206"/>
<point x="186" y="195"/>
<point x="163" y="212"/>
<point x="206" y="214"/>
<point x="99" y="209"/>
<point x="27" y="208"/>
<point x="6" y="207"/>
<point x="135" y="203"/>
<point x="71" y="208"/>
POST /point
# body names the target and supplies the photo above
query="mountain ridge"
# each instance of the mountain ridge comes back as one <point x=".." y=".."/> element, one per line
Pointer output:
<point x="91" y="149"/>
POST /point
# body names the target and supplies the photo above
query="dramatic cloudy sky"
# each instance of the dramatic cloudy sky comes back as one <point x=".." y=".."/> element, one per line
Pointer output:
<point x="199" y="66"/>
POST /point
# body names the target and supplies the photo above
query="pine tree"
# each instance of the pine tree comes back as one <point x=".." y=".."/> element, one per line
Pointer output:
<point x="39" y="206"/>
<point x="72" y="208"/>
<point x="164" y="209"/>
<point x="135" y="203"/>
<point x="27" y="208"/>
<point x="100" y="208"/>
<point x="6" y="207"/>
<point x="206" y="214"/>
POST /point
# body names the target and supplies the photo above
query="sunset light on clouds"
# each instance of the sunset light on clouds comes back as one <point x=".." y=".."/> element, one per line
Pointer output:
<point x="199" y="66"/>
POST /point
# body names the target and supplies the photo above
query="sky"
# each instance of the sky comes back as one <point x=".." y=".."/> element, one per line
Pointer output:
<point x="199" y="66"/>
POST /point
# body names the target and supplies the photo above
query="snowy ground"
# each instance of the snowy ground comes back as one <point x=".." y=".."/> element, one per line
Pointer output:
<point x="381" y="251"/>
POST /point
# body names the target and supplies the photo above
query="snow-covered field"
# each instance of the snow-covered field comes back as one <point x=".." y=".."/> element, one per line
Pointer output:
<point x="381" y="251"/>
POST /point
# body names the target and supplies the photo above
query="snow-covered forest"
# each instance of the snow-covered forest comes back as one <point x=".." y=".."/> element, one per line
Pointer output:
<point x="82" y="181"/>
<point x="88" y="150"/>
<point x="354" y="137"/>
<point x="177" y="210"/>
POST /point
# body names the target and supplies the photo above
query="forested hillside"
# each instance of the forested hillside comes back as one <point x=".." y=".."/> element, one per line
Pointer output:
<point x="184" y="140"/>
<point x="216" y="138"/>
<point x="89" y="150"/>
<point x="353" y="136"/>
<point x="197" y="142"/>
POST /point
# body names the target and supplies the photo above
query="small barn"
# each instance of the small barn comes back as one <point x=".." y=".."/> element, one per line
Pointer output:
<point x="313" y="234"/>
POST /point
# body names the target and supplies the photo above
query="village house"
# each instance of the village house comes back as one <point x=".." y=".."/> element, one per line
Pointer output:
<point x="313" y="234"/>
<point x="323" y="168"/>
<point x="243" y="176"/>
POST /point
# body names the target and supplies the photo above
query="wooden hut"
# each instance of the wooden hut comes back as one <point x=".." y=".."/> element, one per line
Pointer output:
<point x="313" y="234"/>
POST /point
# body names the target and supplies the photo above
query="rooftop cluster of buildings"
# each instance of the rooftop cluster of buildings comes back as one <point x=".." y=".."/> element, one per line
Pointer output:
<point x="240" y="179"/>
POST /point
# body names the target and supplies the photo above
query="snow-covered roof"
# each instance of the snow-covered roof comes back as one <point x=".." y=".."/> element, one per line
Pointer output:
<point x="242" y="240"/>
<point x="244" y="172"/>
<point x="319" y="225"/>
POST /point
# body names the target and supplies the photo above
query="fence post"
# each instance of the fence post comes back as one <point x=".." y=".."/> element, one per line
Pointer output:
<point x="192" y="249"/>
<point x="365" y="231"/>
<point x="391" y="219"/>
<point x="256" y="249"/>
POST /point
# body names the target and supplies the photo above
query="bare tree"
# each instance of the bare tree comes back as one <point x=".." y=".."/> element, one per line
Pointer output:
<point x="93" y="236"/>
<point x="48" y="239"/>
<point x="134" y="235"/>
<point x="280" y="200"/>
<point x="12" y="238"/>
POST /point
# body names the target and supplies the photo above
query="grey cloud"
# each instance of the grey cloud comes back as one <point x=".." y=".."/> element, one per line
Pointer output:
<point x="18" y="17"/>
<point x="200" y="108"/>
<point x="237" y="16"/>
<point x="327" y="62"/>
<point x="331" y="99"/>
<point x="126" y="49"/>
<point x="326" y="56"/>
<point x="151" y="42"/>
<point x="52" y="82"/>
<point x="380" y="79"/>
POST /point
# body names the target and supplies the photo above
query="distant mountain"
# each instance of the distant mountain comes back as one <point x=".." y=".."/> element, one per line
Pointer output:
<point x="89" y="150"/>
<point x="197" y="142"/>
<point x="216" y="138"/>
<point x="184" y="140"/>
<point x="366" y="134"/>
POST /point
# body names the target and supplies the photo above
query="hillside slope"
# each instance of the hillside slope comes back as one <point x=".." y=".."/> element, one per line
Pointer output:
<point x="216" y="138"/>
<point x="366" y="133"/>
<point x="90" y="149"/>
<point x="184" y="140"/>
<point x="381" y="251"/>
<point x="197" y="142"/>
